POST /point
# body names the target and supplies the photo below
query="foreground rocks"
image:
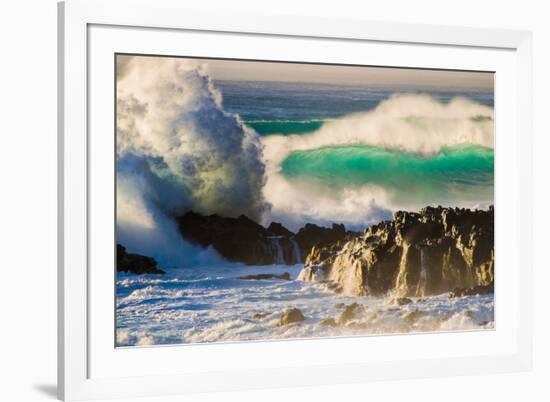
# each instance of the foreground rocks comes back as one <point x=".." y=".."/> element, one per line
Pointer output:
<point x="135" y="263"/>
<point x="329" y="322"/>
<point x="290" y="316"/>
<point x="473" y="291"/>
<point x="415" y="254"/>
<point x="260" y="316"/>
<point x="311" y="235"/>
<point x="285" y="277"/>
<point x="351" y="312"/>
<point x="243" y="240"/>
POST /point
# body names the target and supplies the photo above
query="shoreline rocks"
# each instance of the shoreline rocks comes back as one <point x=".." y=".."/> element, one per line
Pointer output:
<point x="473" y="291"/>
<point x="350" y="313"/>
<point x="413" y="255"/>
<point x="243" y="240"/>
<point x="260" y="316"/>
<point x="135" y="263"/>
<point x="290" y="316"/>
<point x="311" y="235"/>
<point x="284" y="276"/>
<point x="328" y="322"/>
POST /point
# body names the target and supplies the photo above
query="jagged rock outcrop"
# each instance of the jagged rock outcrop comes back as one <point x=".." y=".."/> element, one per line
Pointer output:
<point x="258" y="277"/>
<point x="135" y="263"/>
<point x="415" y="254"/>
<point x="473" y="291"/>
<point x="311" y="235"/>
<point x="351" y="312"/>
<point x="290" y="316"/>
<point x="243" y="240"/>
<point x="279" y="230"/>
<point x="240" y="239"/>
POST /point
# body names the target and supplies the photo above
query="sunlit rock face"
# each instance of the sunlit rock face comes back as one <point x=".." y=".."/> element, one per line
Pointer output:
<point x="415" y="254"/>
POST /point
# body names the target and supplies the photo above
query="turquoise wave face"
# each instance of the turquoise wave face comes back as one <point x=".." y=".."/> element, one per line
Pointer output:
<point x="284" y="127"/>
<point x="456" y="174"/>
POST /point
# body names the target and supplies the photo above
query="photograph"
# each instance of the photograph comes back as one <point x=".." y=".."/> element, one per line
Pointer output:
<point x="262" y="200"/>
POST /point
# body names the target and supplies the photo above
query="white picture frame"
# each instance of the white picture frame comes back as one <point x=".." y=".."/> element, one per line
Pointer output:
<point x="89" y="367"/>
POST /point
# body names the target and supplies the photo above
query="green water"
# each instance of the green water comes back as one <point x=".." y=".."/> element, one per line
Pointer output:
<point x="284" y="127"/>
<point x="459" y="173"/>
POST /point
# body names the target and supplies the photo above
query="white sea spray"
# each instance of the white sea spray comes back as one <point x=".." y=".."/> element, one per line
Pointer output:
<point x="215" y="306"/>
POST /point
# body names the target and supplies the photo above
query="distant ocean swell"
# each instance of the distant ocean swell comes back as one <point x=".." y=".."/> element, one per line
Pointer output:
<point x="284" y="127"/>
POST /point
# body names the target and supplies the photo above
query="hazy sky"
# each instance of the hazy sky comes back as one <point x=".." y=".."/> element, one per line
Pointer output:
<point x="343" y="75"/>
<point x="346" y="75"/>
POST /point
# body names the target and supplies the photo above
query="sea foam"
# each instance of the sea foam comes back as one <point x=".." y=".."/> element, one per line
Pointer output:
<point x="177" y="149"/>
<point x="221" y="308"/>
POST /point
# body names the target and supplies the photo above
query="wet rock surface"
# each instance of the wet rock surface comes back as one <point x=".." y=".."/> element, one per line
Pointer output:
<point x="329" y="322"/>
<point x="135" y="263"/>
<point x="473" y="291"/>
<point x="290" y="316"/>
<point x="402" y="301"/>
<point x="260" y="316"/>
<point x="285" y="276"/>
<point x="415" y="254"/>
<point x="311" y="235"/>
<point x="351" y="312"/>
<point x="243" y="240"/>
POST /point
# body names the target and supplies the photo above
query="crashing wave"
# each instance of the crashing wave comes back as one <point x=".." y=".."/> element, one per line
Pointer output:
<point x="360" y="167"/>
<point x="177" y="149"/>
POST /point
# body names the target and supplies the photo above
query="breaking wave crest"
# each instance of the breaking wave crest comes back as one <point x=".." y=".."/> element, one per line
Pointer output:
<point x="416" y="123"/>
<point x="408" y="152"/>
<point x="177" y="149"/>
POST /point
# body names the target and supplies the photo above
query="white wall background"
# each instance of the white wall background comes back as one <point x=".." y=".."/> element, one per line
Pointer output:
<point x="28" y="197"/>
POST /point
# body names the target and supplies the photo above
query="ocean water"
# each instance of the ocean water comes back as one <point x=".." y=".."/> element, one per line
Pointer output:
<point x="349" y="155"/>
<point x="297" y="108"/>
<point x="210" y="304"/>
<point x="399" y="148"/>
<point x="463" y="172"/>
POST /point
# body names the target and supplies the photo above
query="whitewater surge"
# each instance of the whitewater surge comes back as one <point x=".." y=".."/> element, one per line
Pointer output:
<point x="177" y="149"/>
<point x="412" y="150"/>
<point x="210" y="304"/>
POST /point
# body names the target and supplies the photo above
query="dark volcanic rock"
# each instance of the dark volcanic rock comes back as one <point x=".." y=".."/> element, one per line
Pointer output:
<point x="290" y="316"/>
<point x="241" y="239"/>
<point x="311" y="235"/>
<point x="402" y="301"/>
<point x="277" y="229"/>
<point x="473" y="291"/>
<point x="415" y="254"/>
<point x="285" y="276"/>
<point x="135" y="263"/>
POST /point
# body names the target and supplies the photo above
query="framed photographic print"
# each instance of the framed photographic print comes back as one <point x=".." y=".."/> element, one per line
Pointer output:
<point x="263" y="201"/>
